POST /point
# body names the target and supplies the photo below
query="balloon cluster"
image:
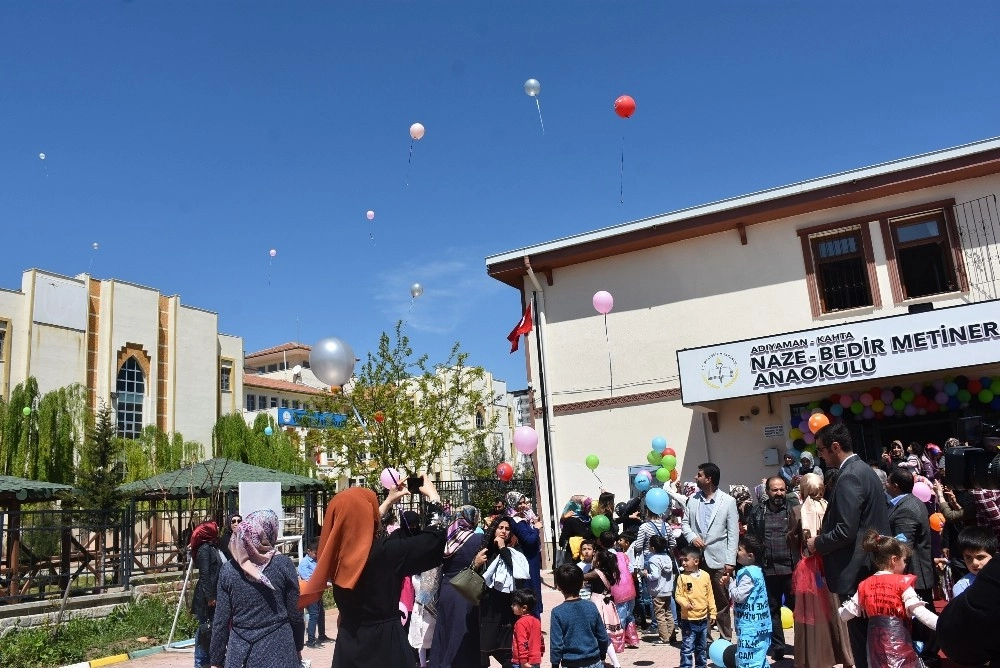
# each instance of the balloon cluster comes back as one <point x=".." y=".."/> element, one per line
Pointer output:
<point x="663" y="457"/>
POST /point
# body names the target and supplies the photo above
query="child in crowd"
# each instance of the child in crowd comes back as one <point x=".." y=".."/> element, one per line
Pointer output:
<point x="624" y="592"/>
<point x="659" y="572"/>
<point x="977" y="545"/>
<point x="697" y="607"/>
<point x="315" y="610"/>
<point x="889" y="601"/>
<point x="587" y="549"/>
<point x="577" y="631"/>
<point x="529" y="646"/>
<point x="749" y="595"/>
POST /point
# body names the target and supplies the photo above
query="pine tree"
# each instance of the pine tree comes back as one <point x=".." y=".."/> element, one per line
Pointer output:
<point x="101" y="467"/>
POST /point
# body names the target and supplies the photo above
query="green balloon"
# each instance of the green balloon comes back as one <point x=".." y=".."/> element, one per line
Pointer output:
<point x="599" y="524"/>
<point x="662" y="474"/>
<point x="995" y="387"/>
<point x="654" y="457"/>
<point x="964" y="396"/>
<point x="857" y="408"/>
<point x="907" y="395"/>
<point x="592" y="462"/>
<point x="669" y="462"/>
<point x="26" y="410"/>
<point x="985" y="396"/>
<point x="898" y="405"/>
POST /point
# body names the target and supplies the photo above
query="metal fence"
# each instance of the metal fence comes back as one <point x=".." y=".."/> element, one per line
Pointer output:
<point x="978" y="223"/>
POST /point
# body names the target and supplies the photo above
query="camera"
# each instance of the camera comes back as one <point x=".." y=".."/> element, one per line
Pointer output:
<point x="977" y="463"/>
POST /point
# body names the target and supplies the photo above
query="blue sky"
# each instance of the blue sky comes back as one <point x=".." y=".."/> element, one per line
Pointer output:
<point x="190" y="138"/>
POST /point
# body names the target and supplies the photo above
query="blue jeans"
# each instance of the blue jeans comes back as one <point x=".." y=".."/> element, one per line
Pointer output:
<point x="315" y="611"/>
<point x="201" y="657"/>
<point x="625" y="612"/>
<point x="694" y="635"/>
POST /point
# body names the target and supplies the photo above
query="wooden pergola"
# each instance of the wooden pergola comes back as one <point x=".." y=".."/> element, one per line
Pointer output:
<point x="15" y="492"/>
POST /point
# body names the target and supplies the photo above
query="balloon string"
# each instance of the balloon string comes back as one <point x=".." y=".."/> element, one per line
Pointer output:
<point x="539" y="105"/>
<point x="408" y="161"/>
<point x="269" y="273"/>
<point x="621" y="175"/>
<point x="598" y="477"/>
<point x="607" y="340"/>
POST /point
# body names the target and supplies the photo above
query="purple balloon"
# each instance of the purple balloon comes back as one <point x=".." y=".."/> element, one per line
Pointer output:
<point x="887" y="396"/>
<point x="910" y="410"/>
<point x="888" y="411"/>
<point x="525" y="440"/>
<point x="868" y="413"/>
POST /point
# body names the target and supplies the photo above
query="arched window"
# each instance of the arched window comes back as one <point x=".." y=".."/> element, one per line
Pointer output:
<point x="480" y="418"/>
<point x="130" y="389"/>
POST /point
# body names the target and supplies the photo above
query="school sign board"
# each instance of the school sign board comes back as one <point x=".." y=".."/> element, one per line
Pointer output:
<point x="897" y="345"/>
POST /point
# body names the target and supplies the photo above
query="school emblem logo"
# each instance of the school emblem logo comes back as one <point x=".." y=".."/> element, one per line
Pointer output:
<point x="720" y="371"/>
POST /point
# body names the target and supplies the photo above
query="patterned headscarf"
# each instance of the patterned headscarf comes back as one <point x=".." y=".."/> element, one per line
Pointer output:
<point x="462" y="529"/>
<point x="741" y="493"/>
<point x="689" y="489"/>
<point x="513" y="501"/>
<point x="252" y="546"/>
<point x="206" y="532"/>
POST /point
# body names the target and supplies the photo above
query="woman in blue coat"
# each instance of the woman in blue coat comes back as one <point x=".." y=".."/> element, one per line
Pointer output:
<point x="527" y="528"/>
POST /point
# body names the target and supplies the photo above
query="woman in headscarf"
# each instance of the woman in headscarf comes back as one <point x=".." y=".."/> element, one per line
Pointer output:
<point x="456" y="634"/>
<point x="575" y="522"/>
<point x="208" y="560"/>
<point x="425" y="595"/>
<point x="821" y="638"/>
<point x="506" y="570"/>
<point x="808" y="465"/>
<point x="257" y="622"/>
<point x="367" y="569"/>
<point x="528" y="531"/>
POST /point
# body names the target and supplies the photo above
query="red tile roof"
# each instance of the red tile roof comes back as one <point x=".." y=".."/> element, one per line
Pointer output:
<point x="250" y="380"/>
<point x="284" y="347"/>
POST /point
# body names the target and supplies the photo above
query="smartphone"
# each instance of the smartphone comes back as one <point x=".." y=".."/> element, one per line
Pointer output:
<point x="413" y="484"/>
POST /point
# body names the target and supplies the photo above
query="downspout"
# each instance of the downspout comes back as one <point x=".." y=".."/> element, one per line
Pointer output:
<point x="538" y="296"/>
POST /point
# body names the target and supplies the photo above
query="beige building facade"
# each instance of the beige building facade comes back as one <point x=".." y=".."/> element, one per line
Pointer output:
<point x="700" y="295"/>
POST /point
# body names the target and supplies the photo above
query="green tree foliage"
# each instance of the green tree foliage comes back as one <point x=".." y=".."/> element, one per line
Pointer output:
<point x="233" y="439"/>
<point x="18" y="435"/>
<point x="101" y="467"/>
<point x="42" y="444"/>
<point x="480" y="461"/>
<point x="155" y="452"/>
<point x="426" y="410"/>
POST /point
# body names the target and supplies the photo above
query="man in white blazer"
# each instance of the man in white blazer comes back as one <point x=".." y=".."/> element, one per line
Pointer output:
<point x="711" y="523"/>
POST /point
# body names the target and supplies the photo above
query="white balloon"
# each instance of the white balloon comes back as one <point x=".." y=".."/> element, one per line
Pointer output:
<point x="417" y="131"/>
<point x="95" y="246"/>
<point x="42" y="156"/>
<point x="370" y="215"/>
<point x="273" y="252"/>
<point x="416" y="290"/>
<point x="532" y="87"/>
<point x="332" y="361"/>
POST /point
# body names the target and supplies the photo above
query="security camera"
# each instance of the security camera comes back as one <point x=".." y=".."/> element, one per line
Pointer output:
<point x="754" y="411"/>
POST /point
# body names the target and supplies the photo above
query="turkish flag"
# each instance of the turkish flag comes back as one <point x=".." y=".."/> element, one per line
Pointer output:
<point x="523" y="327"/>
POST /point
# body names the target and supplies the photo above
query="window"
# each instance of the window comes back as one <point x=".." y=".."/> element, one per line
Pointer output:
<point x="305" y="364"/>
<point x="251" y="402"/>
<point x="480" y="419"/>
<point x="272" y="367"/>
<point x="284" y="403"/>
<point x="295" y="404"/>
<point x="3" y="338"/>
<point x="921" y="253"/>
<point x="840" y="266"/>
<point x="841" y="274"/>
<point x="274" y="402"/>
<point x="261" y="402"/>
<point x="130" y="389"/>
<point x="225" y="377"/>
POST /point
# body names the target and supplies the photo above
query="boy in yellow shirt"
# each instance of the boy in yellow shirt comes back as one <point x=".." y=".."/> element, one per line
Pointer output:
<point x="696" y="604"/>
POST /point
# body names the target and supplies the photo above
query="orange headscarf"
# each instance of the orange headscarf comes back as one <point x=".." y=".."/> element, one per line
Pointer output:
<point x="344" y="544"/>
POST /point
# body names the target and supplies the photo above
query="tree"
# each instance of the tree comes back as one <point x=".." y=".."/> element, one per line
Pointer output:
<point x="101" y="467"/>
<point x="481" y="460"/>
<point x="403" y="412"/>
<point x="18" y="435"/>
<point x="42" y="444"/>
<point x="156" y="451"/>
<point x="233" y="439"/>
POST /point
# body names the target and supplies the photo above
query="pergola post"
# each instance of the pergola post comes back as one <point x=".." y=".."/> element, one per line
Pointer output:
<point x="14" y="546"/>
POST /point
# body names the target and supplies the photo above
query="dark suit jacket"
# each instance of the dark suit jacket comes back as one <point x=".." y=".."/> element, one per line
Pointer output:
<point x="909" y="517"/>
<point x="858" y="504"/>
<point x="963" y="627"/>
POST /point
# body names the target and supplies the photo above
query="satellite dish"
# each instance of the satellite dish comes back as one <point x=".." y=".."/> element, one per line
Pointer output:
<point x="297" y="369"/>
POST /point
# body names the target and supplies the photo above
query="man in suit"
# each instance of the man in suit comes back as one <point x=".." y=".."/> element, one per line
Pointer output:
<point x="711" y="524"/>
<point x="858" y="504"/>
<point x="908" y="517"/>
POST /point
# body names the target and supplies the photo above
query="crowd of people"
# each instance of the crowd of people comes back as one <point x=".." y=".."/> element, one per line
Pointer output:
<point x="839" y="548"/>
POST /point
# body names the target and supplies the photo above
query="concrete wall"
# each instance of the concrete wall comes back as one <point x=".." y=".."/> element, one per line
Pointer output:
<point x="197" y="382"/>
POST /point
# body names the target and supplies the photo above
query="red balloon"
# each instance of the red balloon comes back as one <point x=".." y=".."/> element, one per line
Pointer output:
<point x="669" y="451"/>
<point x="505" y="471"/>
<point x="379" y="417"/>
<point x="624" y="106"/>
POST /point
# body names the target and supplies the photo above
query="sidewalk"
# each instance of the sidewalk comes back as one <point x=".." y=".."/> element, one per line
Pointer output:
<point x="322" y="657"/>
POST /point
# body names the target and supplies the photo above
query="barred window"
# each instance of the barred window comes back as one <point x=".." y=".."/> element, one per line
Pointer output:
<point x="130" y="390"/>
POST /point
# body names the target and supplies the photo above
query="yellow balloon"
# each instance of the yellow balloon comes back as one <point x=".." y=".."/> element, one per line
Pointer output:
<point x="787" y="618"/>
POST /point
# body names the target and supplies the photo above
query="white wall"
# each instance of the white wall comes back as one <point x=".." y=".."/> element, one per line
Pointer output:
<point x="231" y="349"/>
<point x="197" y="378"/>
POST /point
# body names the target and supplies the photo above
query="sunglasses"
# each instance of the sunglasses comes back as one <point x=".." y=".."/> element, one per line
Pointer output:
<point x="235" y="521"/>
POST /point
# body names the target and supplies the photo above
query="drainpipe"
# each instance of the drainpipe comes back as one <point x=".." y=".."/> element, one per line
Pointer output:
<point x="538" y="296"/>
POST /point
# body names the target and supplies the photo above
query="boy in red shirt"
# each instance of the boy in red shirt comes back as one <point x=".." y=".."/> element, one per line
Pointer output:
<point x="528" y="642"/>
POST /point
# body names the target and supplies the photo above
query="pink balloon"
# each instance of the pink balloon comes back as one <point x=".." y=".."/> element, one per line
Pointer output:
<point x="922" y="491"/>
<point x="603" y="302"/>
<point x="525" y="440"/>
<point x="273" y="252"/>
<point x="390" y="478"/>
<point x="866" y="399"/>
<point x="846" y="400"/>
<point x="370" y="215"/>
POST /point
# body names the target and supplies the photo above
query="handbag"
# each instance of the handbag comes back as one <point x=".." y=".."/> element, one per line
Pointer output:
<point x="469" y="584"/>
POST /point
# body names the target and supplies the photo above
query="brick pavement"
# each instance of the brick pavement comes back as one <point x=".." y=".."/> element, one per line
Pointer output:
<point x="646" y="655"/>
